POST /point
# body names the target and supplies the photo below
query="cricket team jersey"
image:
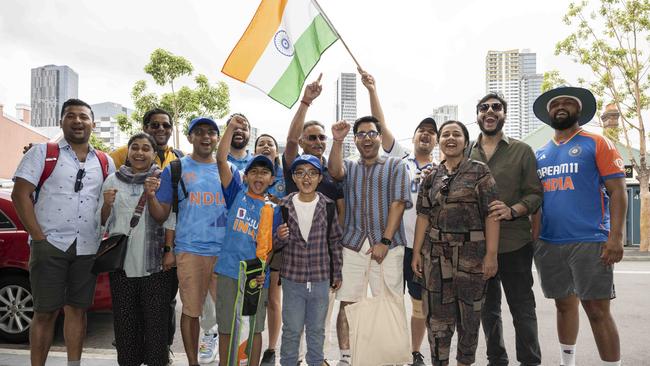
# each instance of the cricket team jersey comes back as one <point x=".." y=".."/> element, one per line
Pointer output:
<point x="573" y="173"/>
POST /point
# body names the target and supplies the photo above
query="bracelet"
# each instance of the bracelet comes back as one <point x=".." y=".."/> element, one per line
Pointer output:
<point x="305" y="103"/>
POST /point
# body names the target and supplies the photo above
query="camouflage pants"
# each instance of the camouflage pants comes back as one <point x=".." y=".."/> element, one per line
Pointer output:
<point x="455" y="292"/>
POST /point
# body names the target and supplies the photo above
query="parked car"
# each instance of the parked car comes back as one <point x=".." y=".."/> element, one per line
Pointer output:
<point x="16" y="303"/>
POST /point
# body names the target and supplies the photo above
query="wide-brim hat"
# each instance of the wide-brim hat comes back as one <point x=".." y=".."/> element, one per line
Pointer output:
<point x="584" y="97"/>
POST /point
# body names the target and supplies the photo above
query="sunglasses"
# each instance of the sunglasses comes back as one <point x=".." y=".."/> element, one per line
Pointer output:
<point x="484" y="107"/>
<point x="446" y="182"/>
<point x="316" y="137"/>
<point x="156" y="125"/>
<point x="363" y="135"/>
<point x="78" y="184"/>
<point x="309" y="173"/>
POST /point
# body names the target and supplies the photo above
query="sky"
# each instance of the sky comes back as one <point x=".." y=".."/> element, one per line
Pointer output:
<point x="423" y="54"/>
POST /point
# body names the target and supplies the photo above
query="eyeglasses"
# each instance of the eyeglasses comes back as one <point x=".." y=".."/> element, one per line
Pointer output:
<point x="309" y="173"/>
<point x="203" y="132"/>
<point x="484" y="107"/>
<point x="446" y="182"/>
<point x="156" y="125"/>
<point x="363" y="135"/>
<point x="316" y="137"/>
<point x="78" y="184"/>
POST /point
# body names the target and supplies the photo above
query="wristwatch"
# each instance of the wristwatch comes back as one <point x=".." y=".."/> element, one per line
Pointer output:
<point x="386" y="241"/>
<point x="167" y="249"/>
<point x="513" y="213"/>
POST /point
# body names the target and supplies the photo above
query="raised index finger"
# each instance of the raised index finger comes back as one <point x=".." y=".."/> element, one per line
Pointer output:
<point x="319" y="77"/>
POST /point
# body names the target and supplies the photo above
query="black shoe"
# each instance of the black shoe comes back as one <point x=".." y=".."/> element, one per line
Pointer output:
<point x="418" y="359"/>
<point x="268" y="359"/>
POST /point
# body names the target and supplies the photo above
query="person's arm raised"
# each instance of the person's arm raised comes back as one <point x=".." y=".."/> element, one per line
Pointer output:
<point x="335" y="163"/>
<point x="387" y="138"/>
<point x="312" y="91"/>
<point x="224" y="147"/>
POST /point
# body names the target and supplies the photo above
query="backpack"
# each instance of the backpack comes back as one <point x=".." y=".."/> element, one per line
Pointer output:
<point x="52" y="157"/>
<point x="176" y="169"/>
<point x="330" y="218"/>
<point x="179" y="154"/>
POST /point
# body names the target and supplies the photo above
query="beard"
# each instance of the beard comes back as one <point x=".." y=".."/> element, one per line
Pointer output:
<point x="499" y="127"/>
<point x="239" y="145"/>
<point x="564" y="123"/>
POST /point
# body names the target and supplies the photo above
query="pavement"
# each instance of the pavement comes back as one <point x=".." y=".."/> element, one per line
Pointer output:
<point x="632" y="279"/>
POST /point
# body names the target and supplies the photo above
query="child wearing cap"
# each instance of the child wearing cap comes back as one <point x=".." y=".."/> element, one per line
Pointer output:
<point x="201" y="224"/>
<point x="312" y="259"/>
<point x="244" y="199"/>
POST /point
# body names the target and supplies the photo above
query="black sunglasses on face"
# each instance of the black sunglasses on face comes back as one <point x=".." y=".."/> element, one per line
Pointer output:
<point x="363" y="135"/>
<point x="484" y="107"/>
<point x="316" y="137"/>
<point x="78" y="184"/>
<point x="156" y="125"/>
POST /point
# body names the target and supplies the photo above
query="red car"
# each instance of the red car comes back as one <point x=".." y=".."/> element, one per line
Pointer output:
<point x="16" y="304"/>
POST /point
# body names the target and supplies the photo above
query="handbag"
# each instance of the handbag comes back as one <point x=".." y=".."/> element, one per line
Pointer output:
<point x="112" y="250"/>
<point x="379" y="332"/>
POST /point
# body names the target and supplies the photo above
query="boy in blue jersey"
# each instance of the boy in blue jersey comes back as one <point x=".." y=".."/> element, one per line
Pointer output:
<point x="244" y="200"/>
<point x="581" y="220"/>
<point x="201" y="224"/>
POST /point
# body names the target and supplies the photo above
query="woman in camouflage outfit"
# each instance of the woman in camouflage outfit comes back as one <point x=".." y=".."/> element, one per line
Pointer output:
<point x="457" y="243"/>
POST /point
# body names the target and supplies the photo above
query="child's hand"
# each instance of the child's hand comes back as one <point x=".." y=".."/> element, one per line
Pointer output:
<point x="283" y="231"/>
<point x="336" y="285"/>
<point x="260" y="279"/>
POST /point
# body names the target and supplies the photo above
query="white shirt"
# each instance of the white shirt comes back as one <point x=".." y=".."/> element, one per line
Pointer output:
<point x="63" y="214"/>
<point x="410" y="214"/>
<point x="305" y="214"/>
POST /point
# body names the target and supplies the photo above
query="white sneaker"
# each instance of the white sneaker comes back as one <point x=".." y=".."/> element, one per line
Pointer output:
<point x="345" y="361"/>
<point x="208" y="348"/>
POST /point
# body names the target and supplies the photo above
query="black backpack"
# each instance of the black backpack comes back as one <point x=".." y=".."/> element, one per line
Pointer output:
<point x="177" y="171"/>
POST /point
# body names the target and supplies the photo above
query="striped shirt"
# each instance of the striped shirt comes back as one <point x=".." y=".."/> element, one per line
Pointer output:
<point x="369" y="191"/>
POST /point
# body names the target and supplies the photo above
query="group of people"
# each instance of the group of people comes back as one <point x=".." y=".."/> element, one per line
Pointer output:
<point x="453" y="233"/>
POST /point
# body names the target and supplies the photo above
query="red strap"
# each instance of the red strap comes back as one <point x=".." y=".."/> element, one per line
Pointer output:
<point x="103" y="161"/>
<point x="51" y="157"/>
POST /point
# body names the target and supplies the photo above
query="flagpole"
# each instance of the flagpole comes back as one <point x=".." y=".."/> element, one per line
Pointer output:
<point x="315" y="2"/>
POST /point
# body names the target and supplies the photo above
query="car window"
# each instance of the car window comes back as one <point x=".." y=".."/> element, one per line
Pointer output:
<point x="5" y="223"/>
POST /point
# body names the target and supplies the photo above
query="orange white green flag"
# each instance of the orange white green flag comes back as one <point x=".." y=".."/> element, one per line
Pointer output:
<point x="281" y="45"/>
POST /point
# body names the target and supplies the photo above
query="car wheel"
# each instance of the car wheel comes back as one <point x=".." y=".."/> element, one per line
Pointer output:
<point x="16" y="308"/>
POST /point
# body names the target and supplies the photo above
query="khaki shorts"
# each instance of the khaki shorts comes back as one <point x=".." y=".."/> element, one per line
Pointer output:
<point x="359" y="271"/>
<point x="226" y="295"/>
<point x="194" y="273"/>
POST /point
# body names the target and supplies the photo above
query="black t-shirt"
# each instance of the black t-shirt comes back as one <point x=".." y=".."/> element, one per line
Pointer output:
<point x="328" y="186"/>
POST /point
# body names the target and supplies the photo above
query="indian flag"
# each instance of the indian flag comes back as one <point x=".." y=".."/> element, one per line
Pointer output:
<point x="280" y="47"/>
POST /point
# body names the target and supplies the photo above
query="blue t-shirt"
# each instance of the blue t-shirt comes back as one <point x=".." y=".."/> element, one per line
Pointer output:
<point x="241" y="231"/>
<point x="202" y="215"/>
<point x="240" y="164"/>
<point x="279" y="188"/>
<point x="576" y="205"/>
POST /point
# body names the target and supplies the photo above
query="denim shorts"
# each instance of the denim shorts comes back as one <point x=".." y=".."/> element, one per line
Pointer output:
<point x="574" y="269"/>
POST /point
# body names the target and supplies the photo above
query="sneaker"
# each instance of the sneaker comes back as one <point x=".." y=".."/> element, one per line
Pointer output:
<point x="418" y="359"/>
<point x="345" y="361"/>
<point x="208" y="348"/>
<point x="268" y="359"/>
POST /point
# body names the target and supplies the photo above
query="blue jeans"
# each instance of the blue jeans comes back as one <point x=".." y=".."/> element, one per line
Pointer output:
<point x="304" y="306"/>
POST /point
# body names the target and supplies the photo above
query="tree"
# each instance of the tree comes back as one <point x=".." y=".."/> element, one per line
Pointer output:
<point x="98" y="143"/>
<point x="183" y="104"/>
<point x="612" y="41"/>
<point x="552" y="80"/>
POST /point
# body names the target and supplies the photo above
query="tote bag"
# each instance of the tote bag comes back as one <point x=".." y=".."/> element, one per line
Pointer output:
<point x="379" y="333"/>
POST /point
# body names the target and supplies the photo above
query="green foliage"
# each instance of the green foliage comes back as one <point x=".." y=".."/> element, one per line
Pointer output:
<point x="204" y="99"/>
<point x="552" y="80"/>
<point x="98" y="144"/>
<point x="612" y="39"/>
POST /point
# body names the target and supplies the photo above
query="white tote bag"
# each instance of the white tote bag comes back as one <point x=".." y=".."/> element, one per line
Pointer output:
<point x="379" y="332"/>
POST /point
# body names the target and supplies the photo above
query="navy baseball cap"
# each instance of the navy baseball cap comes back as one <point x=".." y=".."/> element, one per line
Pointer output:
<point x="307" y="159"/>
<point x="205" y="121"/>
<point x="259" y="160"/>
